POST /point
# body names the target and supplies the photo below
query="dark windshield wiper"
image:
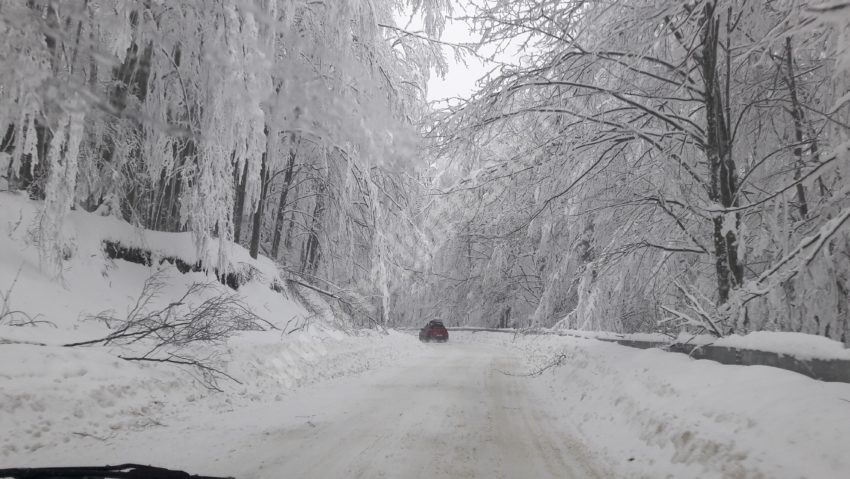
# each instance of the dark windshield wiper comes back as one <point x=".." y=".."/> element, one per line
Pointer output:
<point x="124" y="471"/>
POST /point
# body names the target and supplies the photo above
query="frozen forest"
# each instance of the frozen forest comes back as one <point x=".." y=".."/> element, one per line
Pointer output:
<point x="625" y="166"/>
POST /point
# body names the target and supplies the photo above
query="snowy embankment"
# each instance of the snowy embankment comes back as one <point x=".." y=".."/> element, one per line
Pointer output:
<point x="799" y="345"/>
<point x="650" y="413"/>
<point x="51" y="395"/>
<point x="817" y="357"/>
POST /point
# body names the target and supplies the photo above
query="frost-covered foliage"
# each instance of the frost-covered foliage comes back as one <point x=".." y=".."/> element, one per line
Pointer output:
<point x="274" y="123"/>
<point x="651" y="164"/>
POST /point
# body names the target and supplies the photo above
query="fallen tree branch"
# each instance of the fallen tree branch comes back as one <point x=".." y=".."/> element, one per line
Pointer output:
<point x="559" y="360"/>
<point x="340" y="299"/>
<point x="170" y="329"/>
<point x="210" y="373"/>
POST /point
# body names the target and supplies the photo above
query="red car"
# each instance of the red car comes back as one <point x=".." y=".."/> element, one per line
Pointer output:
<point x="434" y="331"/>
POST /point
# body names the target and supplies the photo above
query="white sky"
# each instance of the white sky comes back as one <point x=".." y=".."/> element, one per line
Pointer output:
<point x="460" y="80"/>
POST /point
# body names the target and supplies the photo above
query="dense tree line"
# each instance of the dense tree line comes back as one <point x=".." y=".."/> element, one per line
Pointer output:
<point x="287" y="126"/>
<point x="637" y="165"/>
<point x="646" y="164"/>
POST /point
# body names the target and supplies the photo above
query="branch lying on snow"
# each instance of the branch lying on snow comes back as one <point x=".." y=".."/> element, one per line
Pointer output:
<point x="340" y="299"/>
<point x="179" y="324"/>
<point x="209" y="374"/>
<point x="9" y="314"/>
<point x="558" y="361"/>
<point x="26" y="321"/>
<point x="300" y="324"/>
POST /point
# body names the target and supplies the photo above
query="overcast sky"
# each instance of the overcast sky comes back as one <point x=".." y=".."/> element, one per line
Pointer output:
<point x="460" y="80"/>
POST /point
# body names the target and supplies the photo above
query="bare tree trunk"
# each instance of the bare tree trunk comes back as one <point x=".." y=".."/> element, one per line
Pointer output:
<point x="281" y="205"/>
<point x="505" y="318"/>
<point x="311" y="254"/>
<point x="723" y="174"/>
<point x="258" y="214"/>
<point x="287" y="240"/>
<point x="173" y="209"/>
<point x="239" y="205"/>
<point x="797" y="116"/>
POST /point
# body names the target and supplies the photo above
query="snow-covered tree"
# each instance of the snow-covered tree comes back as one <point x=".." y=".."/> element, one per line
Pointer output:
<point x="648" y="159"/>
<point x="266" y="122"/>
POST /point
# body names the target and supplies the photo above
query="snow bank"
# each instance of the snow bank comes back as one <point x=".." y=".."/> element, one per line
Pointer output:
<point x="91" y="230"/>
<point x="272" y="365"/>
<point x="52" y="395"/>
<point x="799" y="345"/>
<point x="656" y="414"/>
<point x="91" y="282"/>
<point x="651" y="337"/>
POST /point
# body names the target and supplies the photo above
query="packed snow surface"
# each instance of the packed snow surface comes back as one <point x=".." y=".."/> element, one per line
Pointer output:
<point x="482" y="405"/>
<point x="313" y="401"/>
<point x="52" y="396"/>
<point x="659" y="414"/>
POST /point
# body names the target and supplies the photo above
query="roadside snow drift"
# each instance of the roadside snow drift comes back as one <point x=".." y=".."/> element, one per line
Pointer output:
<point x="52" y="395"/>
<point x="657" y="414"/>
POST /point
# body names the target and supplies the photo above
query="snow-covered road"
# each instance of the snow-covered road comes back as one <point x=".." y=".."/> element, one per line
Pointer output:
<point x="387" y="406"/>
<point x="447" y="411"/>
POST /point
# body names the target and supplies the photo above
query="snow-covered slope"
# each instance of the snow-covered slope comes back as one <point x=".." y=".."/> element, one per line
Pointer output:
<point x="89" y="280"/>
<point x="51" y="395"/>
